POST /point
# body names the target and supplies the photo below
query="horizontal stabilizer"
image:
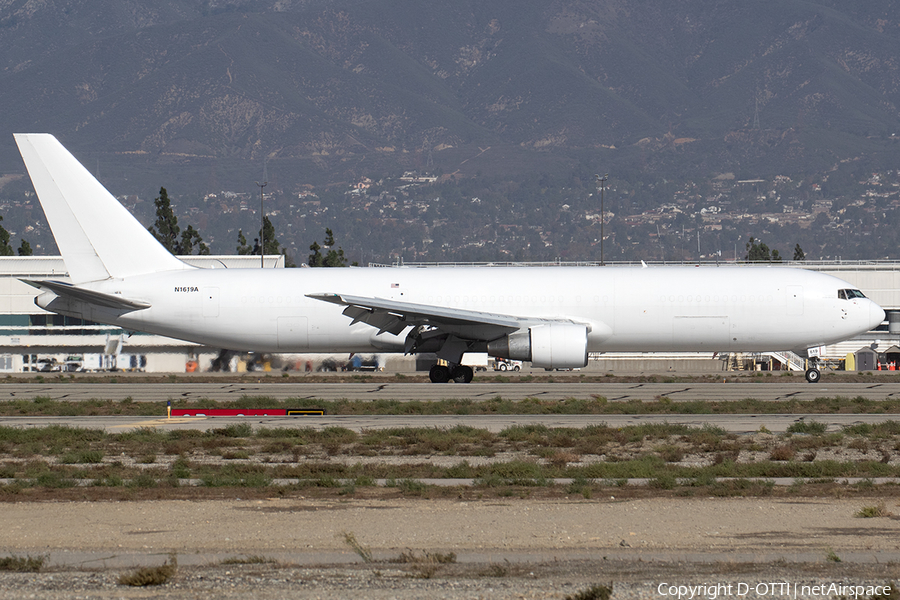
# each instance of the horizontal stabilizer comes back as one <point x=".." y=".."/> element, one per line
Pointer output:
<point x="67" y="290"/>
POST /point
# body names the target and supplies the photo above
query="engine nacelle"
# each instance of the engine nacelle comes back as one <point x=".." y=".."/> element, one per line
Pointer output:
<point x="550" y="346"/>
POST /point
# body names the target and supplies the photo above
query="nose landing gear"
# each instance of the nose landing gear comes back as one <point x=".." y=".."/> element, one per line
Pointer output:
<point x="813" y="375"/>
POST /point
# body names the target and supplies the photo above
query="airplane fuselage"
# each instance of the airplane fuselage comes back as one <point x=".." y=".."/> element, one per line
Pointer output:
<point x="625" y="308"/>
<point x="551" y="316"/>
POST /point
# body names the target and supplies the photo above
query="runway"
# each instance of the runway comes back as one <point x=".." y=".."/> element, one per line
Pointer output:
<point x="375" y="390"/>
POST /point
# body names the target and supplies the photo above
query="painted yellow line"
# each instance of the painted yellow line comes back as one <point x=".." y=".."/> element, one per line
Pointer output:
<point x="161" y="421"/>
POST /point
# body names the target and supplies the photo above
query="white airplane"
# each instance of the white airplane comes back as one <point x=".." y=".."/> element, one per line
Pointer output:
<point x="552" y="316"/>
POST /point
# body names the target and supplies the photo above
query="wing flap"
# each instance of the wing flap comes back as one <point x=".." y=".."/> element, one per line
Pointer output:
<point x="384" y="321"/>
<point x="67" y="290"/>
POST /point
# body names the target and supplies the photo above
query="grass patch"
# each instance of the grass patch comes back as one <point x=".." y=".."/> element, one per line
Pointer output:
<point x="238" y="430"/>
<point x="870" y="512"/>
<point x="532" y="406"/>
<point x="22" y="564"/>
<point x="809" y="427"/>
<point x="82" y="457"/>
<point x="527" y="458"/>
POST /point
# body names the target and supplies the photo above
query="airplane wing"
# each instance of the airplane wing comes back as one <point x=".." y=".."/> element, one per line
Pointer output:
<point x="393" y="316"/>
<point x="67" y="290"/>
<point x="447" y="331"/>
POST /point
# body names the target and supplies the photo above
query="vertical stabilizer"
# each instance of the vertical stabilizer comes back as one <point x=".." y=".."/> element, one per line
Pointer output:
<point x="97" y="236"/>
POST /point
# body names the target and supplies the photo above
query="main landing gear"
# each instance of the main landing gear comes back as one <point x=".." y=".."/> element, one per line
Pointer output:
<point x="813" y="375"/>
<point x="458" y="374"/>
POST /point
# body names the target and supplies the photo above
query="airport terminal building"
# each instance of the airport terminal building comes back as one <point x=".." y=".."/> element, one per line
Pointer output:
<point x="32" y="339"/>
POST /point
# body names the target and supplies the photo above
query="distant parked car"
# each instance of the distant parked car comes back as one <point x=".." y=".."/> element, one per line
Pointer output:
<point x="503" y="364"/>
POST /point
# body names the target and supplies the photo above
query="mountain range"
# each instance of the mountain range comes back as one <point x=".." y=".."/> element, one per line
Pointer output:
<point x="211" y="94"/>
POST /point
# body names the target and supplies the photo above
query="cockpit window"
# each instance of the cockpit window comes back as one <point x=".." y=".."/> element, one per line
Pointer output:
<point x="850" y="294"/>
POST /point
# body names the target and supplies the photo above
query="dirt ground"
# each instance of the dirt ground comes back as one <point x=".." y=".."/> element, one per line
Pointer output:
<point x="301" y="547"/>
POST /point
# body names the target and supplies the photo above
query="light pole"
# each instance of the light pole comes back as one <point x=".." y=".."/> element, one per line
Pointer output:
<point x="262" y="226"/>
<point x="601" y="181"/>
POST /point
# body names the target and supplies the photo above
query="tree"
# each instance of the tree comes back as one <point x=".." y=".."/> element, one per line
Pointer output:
<point x="333" y="258"/>
<point x="189" y="238"/>
<point x="271" y="243"/>
<point x="166" y="228"/>
<point x="798" y="253"/>
<point x="757" y="251"/>
<point x="315" y="259"/>
<point x="25" y="249"/>
<point x="5" y="248"/>
<point x="268" y="236"/>
<point x="243" y="248"/>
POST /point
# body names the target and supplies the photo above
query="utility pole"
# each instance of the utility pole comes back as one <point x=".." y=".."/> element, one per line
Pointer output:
<point x="601" y="181"/>
<point x="262" y="227"/>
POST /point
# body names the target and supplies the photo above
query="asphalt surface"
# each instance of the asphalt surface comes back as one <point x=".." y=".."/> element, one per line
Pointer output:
<point x="223" y="392"/>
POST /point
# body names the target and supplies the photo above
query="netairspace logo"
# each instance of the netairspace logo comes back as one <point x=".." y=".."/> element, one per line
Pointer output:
<point x="773" y="589"/>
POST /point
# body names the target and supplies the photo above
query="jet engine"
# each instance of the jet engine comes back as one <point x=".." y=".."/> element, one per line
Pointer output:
<point x="551" y="346"/>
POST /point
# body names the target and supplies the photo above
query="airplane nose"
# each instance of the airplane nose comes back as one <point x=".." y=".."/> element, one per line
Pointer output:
<point x="876" y="315"/>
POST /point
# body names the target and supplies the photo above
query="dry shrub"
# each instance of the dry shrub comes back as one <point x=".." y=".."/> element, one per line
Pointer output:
<point x="859" y="444"/>
<point x="145" y="576"/>
<point x="670" y="453"/>
<point x="782" y="453"/>
<point x="595" y="592"/>
<point x="562" y="458"/>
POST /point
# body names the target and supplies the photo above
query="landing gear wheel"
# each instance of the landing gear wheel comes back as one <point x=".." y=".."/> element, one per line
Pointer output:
<point x="439" y="374"/>
<point x="462" y="374"/>
<point x="813" y="375"/>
